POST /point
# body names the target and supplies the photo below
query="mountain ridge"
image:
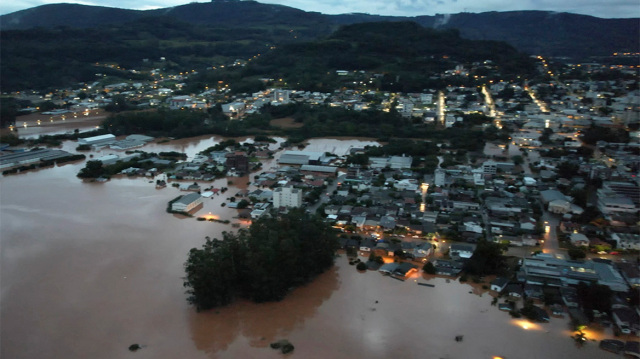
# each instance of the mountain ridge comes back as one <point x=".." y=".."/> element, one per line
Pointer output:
<point x="200" y="35"/>
<point x="536" y="32"/>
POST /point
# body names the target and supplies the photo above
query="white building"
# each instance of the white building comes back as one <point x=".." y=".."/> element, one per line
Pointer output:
<point x="440" y="177"/>
<point x="259" y="210"/>
<point x="559" y="206"/>
<point x="449" y="121"/>
<point x="478" y="176"/>
<point x="187" y="202"/>
<point x="281" y="96"/>
<point x="462" y="250"/>
<point x="233" y="107"/>
<point x="579" y="239"/>
<point x="101" y="140"/>
<point x="288" y="197"/>
<point x="489" y="167"/>
<point x="303" y="158"/>
<point x="394" y="162"/>
<point x="409" y="184"/>
<point x="626" y="240"/>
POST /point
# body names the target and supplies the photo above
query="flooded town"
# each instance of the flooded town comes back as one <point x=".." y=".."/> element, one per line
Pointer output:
<point x="495" y="219"/>
<point x="104" y="261"/>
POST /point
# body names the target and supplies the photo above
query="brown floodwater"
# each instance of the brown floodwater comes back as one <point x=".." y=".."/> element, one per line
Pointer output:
<point x="88" y="269"/>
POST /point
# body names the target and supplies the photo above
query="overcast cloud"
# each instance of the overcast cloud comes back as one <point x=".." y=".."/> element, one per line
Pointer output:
<point x="599" y="8"/>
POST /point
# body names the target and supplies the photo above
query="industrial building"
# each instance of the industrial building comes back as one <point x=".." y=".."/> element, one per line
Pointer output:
<point x="393" y="162"/>
<point x="303" y="158"/>
<point x="131" y="141"/>
<point x="28" y="157"/>
<point x="102" y="140"/>
<point x="554" y="270"/>
<point x="187" y="202"/>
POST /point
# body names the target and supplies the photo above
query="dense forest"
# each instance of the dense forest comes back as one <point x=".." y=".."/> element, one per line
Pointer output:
<point x="262" y="263"/>
<point x="52" y="58"/>
<point x="407" y="57"/>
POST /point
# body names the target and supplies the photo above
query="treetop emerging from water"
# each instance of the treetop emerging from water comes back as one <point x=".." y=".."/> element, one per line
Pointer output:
<point x="261" y="263"/>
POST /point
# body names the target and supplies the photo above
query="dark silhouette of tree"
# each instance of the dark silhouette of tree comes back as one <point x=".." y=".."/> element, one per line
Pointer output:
<point x="486" y="259"/>
<point x="429" y="268"/>
<point x="594" y="297"/>
<point x="92" y="169"/>
<point x="261" y="263"/>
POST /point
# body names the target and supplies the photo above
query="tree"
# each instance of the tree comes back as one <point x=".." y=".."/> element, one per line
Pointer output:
<point x="567" y="169"/>
<point x="517" y="160"/>
<point x="576" y="253"/>
<point x="92" y="169"/>
<point x="546" y="134"/>
<point x="580" y="197"/>
<point x="8" y="111"/>
<point x="528" y="311"/>
<point x="580" y="338"/>
<point x="261" y="263"/>
<point x="213" y="272"/>
<point x="594" y="296"/>
<point x="243" y="204"/>
<point x="486" y="259"/>
<point x="429" y="268"/>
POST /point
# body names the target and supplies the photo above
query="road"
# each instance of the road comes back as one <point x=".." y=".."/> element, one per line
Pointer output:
<point x="324" y="198"/>
<point x="551" y="223"/>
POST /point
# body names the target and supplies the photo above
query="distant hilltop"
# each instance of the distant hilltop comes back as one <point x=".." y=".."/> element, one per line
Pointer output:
<point x="536" y="32"/>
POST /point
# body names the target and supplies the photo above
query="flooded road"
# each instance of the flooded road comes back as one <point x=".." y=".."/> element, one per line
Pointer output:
<point x="89" y="269"/>
<point x="36" y="124"/>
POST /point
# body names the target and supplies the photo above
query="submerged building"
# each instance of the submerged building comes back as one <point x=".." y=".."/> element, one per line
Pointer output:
<point x="555" y="270"/>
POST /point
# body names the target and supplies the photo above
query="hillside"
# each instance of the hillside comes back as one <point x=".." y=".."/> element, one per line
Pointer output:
<point x="69" y="15"/>
<point x="396" y="50"/>
<point x="217" y="13"/>
<point x="547" y="33"/>
<point x="62" y="56"/>
<point x="63" y="44"/>
<point x="539" y="32"/>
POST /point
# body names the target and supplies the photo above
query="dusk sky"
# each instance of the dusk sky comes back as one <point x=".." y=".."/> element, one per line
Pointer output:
<point x="599" y="8"/>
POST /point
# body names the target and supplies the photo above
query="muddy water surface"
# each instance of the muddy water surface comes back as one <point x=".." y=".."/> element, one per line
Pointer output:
<point x="89" y="269"/>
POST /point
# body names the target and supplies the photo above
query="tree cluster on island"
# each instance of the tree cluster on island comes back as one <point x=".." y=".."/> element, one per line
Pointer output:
<point x="261" y="263"/>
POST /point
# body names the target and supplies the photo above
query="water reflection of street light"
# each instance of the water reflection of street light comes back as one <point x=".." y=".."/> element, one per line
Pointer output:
<point x="425" y="189"/>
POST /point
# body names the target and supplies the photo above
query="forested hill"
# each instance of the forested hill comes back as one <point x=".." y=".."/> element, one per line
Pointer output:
<point x="409" y="56"/>
<point x="70" y="15"/>
<point x="544" y="32"/>
<point x="216" y="13"/>
<point x="538" y="32"/>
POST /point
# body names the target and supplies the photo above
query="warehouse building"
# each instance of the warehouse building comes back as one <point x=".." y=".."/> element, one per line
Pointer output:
<point x="187" y="202"/>
<point x="102" y="140"/>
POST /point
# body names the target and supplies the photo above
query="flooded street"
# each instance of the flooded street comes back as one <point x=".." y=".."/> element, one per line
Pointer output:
<point x="88" y="269"/>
